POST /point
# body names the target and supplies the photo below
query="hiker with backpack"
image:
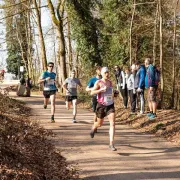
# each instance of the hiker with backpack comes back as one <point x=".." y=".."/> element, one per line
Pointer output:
<point x="151" y="86"/>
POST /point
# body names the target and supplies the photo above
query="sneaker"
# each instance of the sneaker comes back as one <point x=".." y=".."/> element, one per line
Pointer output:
<point x="92" y="133"/>
<point x="45" y="106"/>
<point x="149" y="114"/>
<point x="112" y="148"/>
<point x="153" y="116"/>
<point x="133" y="113"/>
<point x="74" y="121"/>
<point x="52" y="119"/>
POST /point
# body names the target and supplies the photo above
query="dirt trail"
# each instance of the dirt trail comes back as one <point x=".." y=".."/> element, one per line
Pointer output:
<point x="139" y="156"/>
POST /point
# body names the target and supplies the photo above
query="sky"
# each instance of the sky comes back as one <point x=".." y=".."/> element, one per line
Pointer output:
<point x="46" y="25"/>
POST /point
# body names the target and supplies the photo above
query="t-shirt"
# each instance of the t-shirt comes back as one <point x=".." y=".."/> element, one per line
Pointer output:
<point x="92" y="82"/>
<point x="50" y="84"/>
<point x="72" y="86"/>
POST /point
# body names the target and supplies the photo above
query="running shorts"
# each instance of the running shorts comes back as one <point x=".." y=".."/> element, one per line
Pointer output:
<point x="47" y="94"/>
<point x="102" y="111"/>
<point x="70" y="98"/>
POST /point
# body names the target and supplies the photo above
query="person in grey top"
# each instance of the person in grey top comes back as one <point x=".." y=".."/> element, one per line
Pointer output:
<point x="70" y="85"/>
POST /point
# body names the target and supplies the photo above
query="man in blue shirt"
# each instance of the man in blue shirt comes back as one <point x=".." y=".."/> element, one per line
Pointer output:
<point x="49" y="90"/>
<point x="150" y="85"/>
<point x="90" y="87"/>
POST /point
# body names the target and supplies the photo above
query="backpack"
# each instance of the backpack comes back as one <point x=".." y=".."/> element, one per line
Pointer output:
<point x="157" y="76"/>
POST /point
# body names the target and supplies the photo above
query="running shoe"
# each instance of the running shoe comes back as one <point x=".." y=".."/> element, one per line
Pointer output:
<point x="92" y="133"/>
<point x="153" y="116"/>
<point x="45" y="106"/>
<point x="74" y="121"/>
<point x="52" y="119"/>
<point x="112" y="148"/>
<point x="149" y="114"/>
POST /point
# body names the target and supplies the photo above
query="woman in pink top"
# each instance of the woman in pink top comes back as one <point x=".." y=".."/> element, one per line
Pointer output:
<point x="105" y="107"/>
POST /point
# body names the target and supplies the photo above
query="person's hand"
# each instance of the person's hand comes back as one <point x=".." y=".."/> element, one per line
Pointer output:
<point x="151" y="88"/>
<point x="103" y="89"/>
<point x="48" y="78"/>
<point x="139" y="90"/>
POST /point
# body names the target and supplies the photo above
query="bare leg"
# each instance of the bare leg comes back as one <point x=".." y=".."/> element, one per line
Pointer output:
<point x="154" y="107"/>
<point x="52" y="98"/>
<point x="68" y="104"/>
<point x="95" y="118"/>
<point x="150" y="106"/>
<point x="74" y="103"/>
<point x="46" y="100"/>
<point x="111" y="118"/>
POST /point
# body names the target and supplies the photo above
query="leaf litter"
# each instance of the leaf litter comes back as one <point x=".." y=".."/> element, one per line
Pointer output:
<point x="26" y="151"/>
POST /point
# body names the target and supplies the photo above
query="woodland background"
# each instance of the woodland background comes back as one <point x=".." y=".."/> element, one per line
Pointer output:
<point x="86" y="33"/>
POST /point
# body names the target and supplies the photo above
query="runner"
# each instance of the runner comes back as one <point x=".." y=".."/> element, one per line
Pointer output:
<point x="90" y="87"/>
<point x="49" y="91"/>
<point x="70" y="85"/>
<point x="105" y="107"/>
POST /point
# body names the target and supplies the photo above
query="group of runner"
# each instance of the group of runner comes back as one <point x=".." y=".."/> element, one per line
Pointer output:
<point x="101" y="89"/>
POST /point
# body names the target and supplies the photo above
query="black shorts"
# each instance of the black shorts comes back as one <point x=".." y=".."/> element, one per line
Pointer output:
<point x="47" y="94"/>
<point x="70" y="98"/>
<point x="94" y="103"/>
<point x="102" y="111"/>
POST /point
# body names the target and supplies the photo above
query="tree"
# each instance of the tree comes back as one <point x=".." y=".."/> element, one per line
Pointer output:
<point x="57" y="19"/>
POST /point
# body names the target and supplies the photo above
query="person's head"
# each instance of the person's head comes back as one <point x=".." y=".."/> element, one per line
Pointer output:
<point x="137" y="64"/>
<point x="73" y="73"/>
<point x="133" y="68"/>
<point x="147" y="62"/>
<point x="98" y="70"/>
<point x="105" y="73"/>
<point x="116" y="68"/>
<point x="50" y="66"/>
<point x="126" y="69"/>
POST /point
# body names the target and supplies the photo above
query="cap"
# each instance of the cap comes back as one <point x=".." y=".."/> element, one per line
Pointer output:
<point x="103" y="70"/>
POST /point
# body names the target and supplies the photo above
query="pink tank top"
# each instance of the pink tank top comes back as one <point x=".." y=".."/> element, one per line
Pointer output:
<point x="106" y="98"/>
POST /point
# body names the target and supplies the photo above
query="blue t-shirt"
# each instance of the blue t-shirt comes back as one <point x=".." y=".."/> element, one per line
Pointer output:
<point x="50" y="84"/>
<point x="92" y="81"/>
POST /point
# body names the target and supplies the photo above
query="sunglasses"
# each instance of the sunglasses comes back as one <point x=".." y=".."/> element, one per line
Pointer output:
<point x="51" y="66"/>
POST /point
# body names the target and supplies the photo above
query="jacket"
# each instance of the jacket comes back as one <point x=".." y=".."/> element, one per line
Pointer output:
<point x="139" y="81"/>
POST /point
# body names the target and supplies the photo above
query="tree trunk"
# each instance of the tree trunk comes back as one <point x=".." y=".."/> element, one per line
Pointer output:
<point x="161" y="50"/>
<point x="58" y="24"/>
<point x="130" y="32"/>
<point x="69" y="47"/>
<point x="155" y="36"/>
<point x="41" y="38"/>
<point x="174" y="58"/>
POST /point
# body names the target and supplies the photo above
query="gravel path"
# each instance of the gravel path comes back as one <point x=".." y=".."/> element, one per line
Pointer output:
<point x="139" y="156"/>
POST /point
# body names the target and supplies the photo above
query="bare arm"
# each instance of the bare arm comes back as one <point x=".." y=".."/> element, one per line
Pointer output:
<point x="88" y="89"/>
<point x="96" y="89"/>
<point x="43" y="80"/>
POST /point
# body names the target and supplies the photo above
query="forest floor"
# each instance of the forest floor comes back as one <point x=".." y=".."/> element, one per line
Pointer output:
<point x="139" y="155"/>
